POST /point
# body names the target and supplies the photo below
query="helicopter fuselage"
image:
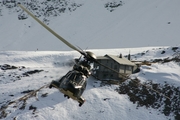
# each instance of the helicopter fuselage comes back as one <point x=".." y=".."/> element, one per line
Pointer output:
<point x="73" y="84"/>
<point x="74" y="81"/>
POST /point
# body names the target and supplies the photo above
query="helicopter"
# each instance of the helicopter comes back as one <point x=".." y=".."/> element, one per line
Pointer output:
<point x="73" y="84"/>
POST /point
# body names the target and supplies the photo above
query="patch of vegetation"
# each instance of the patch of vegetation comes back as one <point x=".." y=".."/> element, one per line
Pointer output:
<point x="33" y="108"/>
<point x="10" y="67"/>
<point x="43" y="9"/>
<point x="44" y="95"/>
<point x="26" y="91"/>
<point x="7" y="67"/>
<point x="175" y="48"/>
<point x="111" y="6"/>
<point x="165" y="60"/>
<point x="145" y="95"/>
<point x="20" y="103"/>
<point x="32" y="72"/>
<point x="163" y="51"/>
<point x="13" y="73"/>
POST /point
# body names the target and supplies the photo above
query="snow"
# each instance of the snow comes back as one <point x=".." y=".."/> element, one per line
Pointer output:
<point x="102" y="102"/>
<point x="130" y="28"/>
<point x="161" y="73"/>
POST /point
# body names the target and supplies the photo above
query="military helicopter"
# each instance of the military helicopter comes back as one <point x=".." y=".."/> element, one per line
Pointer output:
<point x="73" y="84"/>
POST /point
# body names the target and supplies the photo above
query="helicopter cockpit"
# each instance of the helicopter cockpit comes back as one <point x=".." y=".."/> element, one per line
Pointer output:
<point x="76" y="78"/>
<point x="75" y="82"/>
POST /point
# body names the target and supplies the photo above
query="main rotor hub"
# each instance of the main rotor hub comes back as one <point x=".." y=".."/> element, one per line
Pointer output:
<point x="90" y="56"/>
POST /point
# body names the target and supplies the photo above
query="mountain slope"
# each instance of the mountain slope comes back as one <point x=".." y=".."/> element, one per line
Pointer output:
<point x="31" y="70"/>
<point x="126" y="23"/>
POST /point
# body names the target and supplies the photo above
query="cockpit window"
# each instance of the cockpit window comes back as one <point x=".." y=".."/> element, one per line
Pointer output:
<point x="77" y="78"/>
<point x="72" y="76"/>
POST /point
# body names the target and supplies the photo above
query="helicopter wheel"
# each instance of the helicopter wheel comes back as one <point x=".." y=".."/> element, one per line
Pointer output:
<point x="66" y="96"/>
<point x="50" y="86"/>
<point x="80" y="104"/>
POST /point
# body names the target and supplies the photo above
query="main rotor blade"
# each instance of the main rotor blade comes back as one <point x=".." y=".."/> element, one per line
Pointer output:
<point x="50" y="30"/>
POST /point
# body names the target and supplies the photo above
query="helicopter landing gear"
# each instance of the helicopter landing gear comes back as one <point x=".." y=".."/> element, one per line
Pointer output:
<point x="50" y="86"/>
<point x="81" y="101"/>
<point x="80" y="104"/>
<point x="66" y="96"/>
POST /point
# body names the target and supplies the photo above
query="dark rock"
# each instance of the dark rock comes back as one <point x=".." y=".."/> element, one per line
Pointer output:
<point x="143" y="96"/>
<point x="31" y="72"/>
<point x="27" y="91"/>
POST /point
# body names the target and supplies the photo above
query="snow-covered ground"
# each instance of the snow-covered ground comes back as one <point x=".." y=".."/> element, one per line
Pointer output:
<point x="102" y="102"/>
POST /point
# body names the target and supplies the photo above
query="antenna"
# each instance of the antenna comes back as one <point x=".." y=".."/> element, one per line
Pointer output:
<point x="129" y="55"/>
